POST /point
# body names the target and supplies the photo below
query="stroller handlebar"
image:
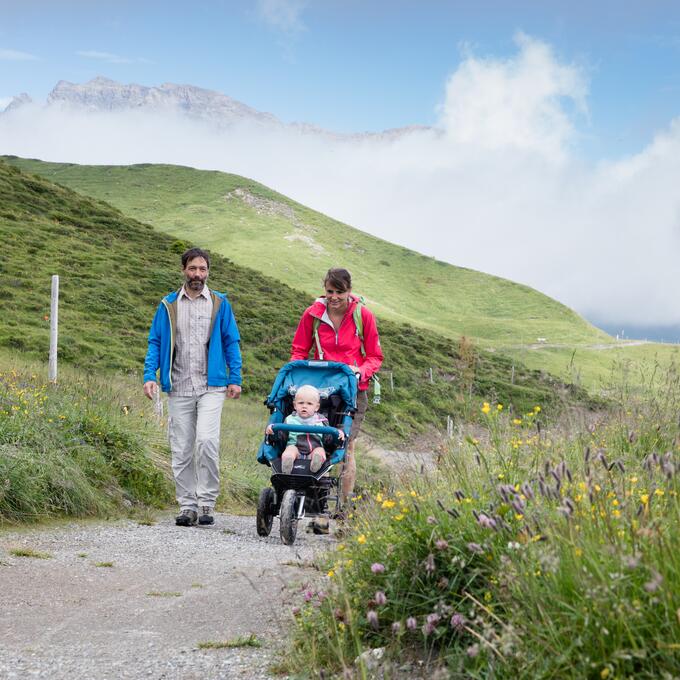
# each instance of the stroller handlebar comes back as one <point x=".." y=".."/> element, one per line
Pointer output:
<point x="314" y="429"/>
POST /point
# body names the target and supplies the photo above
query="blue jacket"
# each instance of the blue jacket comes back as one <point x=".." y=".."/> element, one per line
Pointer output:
<point x="224" y="351"/>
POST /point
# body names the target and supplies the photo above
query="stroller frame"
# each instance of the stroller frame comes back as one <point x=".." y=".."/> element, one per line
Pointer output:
<point x="304" y="493"/>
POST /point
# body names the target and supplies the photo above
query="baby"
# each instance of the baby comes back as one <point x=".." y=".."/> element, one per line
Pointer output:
<point x="306" y="403"/>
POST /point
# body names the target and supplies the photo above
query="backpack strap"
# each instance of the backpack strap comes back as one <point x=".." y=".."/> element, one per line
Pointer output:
<point x="315" y="333"/>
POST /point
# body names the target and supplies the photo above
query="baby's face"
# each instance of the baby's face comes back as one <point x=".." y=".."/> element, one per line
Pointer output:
<point x="306" y="405"/>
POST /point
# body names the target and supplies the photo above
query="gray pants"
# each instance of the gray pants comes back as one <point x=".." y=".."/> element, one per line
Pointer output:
<point x="194" y="433"/>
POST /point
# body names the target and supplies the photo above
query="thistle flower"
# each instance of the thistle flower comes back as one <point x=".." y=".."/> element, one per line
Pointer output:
<point x="473" y="650"/>
<point x="433" y="618"/>
<point x="396" y="628"/>
<point x="380" y="598"/>
<point x="372" y="618"/>
<point x="411" y="623"/>
<point x="441" y="544"/>
<point x="308" y="595"/>
<point x="378" y="568"/>
<point x="428" y="629"/>
<point x="458" y="622"/>
<point x="475" y="548"/>
<point x="431" y="520"/>
<point x="295" y="611"/>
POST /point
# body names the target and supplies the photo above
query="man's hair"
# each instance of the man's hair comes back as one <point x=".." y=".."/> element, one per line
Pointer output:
<point x="339" y="278"/>
<point x="192" y="253"/>
<point x="308" y="389"/>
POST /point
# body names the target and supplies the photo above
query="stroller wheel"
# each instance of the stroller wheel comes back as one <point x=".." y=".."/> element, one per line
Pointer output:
<point x="265" y="512"/>
<point x="288" y="517"/>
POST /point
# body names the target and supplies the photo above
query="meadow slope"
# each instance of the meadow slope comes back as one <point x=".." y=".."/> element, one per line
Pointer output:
<point x="266" y="231"/>
<point x="114" y="270"/>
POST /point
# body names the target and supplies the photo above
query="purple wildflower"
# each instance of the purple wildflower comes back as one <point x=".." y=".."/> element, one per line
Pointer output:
<point x="442" y="544"/>
<point x="309" y="594"/>
<point x="473" y="650"/>
<point x="372" y="617"/>
<point x="431" y="520"/>
<point x="458" y="622"/>
<point x="380" y="598"/>
<point x="295" y="611"/>
<point x="475" y="548"/>
<point x="339" y="614"/>
<point x="378" y="568"/>
<point x="433" y="618"/>
<point x="396" y="627"/>
<point x="411" y="623"/>
<point x="428" y="628"/>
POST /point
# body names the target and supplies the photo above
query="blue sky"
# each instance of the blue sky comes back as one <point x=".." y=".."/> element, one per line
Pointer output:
<point x="350" y="65"/>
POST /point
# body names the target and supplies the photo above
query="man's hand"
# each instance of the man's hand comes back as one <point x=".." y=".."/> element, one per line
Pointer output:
<point x="233" y="391"/>
<point x="150" y="389"/>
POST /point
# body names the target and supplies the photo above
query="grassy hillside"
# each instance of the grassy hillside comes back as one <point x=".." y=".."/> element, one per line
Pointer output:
<point x="266" y="231"/>
<point x="254" y="226"/>
<point x="114" y="270"/>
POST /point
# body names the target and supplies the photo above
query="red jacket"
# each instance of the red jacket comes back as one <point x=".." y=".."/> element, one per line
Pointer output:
<point x="343" y="346"/>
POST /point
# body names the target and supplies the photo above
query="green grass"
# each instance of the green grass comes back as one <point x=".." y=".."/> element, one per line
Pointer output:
<point x="163" y="593"/>
<point x="398" y="283"/>
<point x="106" y="565"/>
<point x="29" y="552"/>
<point x="70" y="449"/>
<point x="114" y="270"/>
<point x="528" y="553"/>
<point x="241" y="641"/>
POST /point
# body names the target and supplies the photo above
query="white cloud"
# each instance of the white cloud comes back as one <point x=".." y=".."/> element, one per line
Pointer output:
<point x="282" y="15"/>
<point x="16" y="55"/>
<point x="498" y="189"/>
<point x="4" y="102"/>
<point x="105" y="56"/>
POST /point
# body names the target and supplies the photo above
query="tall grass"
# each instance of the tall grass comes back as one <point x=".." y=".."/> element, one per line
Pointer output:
<point x="82" y="447"/>
<point x="529" y="553"/>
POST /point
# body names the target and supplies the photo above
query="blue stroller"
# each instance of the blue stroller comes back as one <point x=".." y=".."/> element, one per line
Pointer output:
<point x="304" y="493"/>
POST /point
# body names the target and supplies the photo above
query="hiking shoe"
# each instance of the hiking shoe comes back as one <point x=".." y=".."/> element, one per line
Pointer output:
<point x="186" y="518"/>
<point x="287" y="466"/>
<point x="319" y="526"/>
<point x="206" y="516"/>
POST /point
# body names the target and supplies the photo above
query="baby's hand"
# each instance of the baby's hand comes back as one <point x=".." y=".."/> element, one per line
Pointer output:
<point x="341" y="435"/>
<point x="269" y="430"/>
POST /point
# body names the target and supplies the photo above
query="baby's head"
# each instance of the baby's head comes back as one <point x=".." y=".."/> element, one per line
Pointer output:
<point x="307" y="400"/>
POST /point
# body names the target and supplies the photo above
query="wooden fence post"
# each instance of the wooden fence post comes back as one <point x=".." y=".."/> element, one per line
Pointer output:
<point x="54" y="329"/>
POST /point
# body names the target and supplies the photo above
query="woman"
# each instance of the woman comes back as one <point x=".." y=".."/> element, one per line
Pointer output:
<point x="329" y="326"/>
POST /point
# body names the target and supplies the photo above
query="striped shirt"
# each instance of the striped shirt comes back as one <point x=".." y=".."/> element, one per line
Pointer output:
<point x="190" y="367"/>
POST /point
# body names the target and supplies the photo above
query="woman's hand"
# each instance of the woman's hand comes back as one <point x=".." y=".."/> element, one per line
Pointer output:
<point x="269" y="429"/>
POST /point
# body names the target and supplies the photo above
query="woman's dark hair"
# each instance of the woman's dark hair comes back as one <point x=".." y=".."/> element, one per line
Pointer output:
<point x="338" y="278"/>
<point x="192" y="253"/>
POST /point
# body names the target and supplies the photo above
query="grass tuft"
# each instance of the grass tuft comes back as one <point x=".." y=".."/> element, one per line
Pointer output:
<point x="30" y="552"/>
<point x="241" y="641"/>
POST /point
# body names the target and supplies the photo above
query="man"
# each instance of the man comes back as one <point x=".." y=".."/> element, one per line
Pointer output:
<point x="194" y="341"/>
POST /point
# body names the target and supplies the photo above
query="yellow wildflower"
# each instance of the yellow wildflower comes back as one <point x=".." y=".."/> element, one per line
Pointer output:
<point x="361" y="539"/>
<point x="414" y="494"/>
<point x="644" y="498"/>
<point x="399" y="517"/>
<point x="658" y="492"/>
<point x="537" y="409"/>
<point x="516" y="421"/>
<point x="578" y="552"/>
<point x="486" y="407"/>
<point x="331" y="574"/>
<point x="499" y="407"/>
<point x="387" y="504"/>
<point x="604" y="673"/>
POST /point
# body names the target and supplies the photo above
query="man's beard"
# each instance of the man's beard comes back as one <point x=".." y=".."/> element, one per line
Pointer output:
<point x="196" y="284"/>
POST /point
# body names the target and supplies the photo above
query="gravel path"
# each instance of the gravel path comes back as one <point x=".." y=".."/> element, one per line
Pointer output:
<point x="168" y="589"/>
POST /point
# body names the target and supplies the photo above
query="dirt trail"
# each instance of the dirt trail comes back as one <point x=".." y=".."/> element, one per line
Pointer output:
<point x="168" y="589"/>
